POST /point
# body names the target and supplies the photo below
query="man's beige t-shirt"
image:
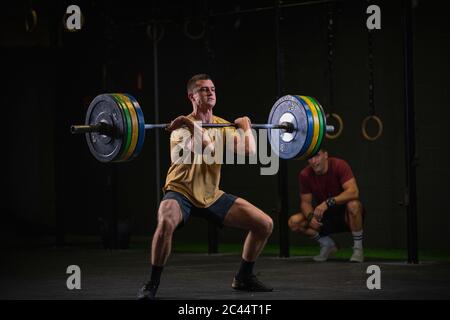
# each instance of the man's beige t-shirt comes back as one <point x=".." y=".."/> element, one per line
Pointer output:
<point x="197" y="181"/>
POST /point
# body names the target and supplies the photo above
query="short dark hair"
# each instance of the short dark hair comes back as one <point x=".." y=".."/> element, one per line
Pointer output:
<point x="321" y="149"/>
<point x="191" y="83"/>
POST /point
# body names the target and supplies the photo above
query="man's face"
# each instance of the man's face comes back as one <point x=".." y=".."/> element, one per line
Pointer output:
<point x="319" y="162"/>
<point x="204" y="94"/>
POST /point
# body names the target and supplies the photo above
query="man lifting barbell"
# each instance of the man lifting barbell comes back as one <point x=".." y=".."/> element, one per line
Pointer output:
<point x="115" y="131"/>
<point x="193" y="189"/>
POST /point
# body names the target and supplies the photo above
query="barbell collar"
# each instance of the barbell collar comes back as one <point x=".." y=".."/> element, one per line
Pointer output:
<point x="100" y="127"/>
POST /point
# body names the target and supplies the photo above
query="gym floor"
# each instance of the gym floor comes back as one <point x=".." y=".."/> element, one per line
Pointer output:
<point x="117" y="274"/>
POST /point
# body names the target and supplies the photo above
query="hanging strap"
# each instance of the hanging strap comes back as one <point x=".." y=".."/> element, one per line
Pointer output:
<point x="330" y="37"/>
<point x="371" y="115"/>
<point x="371" y="80"/>
<point x="331" y="40"/>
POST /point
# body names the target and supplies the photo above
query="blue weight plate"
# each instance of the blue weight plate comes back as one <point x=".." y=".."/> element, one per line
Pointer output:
<point x="141" y="121"/>
<point x="310" y="134"/>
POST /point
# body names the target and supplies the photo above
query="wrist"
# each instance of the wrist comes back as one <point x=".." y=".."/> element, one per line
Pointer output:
<point x="244" y="127"/>
<point x="244" y="124"/>
<point x="330" y="202"/>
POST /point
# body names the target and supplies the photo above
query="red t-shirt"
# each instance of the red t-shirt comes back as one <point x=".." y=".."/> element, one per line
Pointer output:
<point x="327" y="185"/>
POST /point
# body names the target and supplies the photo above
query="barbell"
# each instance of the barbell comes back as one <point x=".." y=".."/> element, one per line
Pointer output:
<point x="115" y="127"/>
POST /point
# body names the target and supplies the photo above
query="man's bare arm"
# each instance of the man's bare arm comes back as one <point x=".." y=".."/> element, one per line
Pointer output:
<point x="351" y="192"/>
<point x="244" y="141"/>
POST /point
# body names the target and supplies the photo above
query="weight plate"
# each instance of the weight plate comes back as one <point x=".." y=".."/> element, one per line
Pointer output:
<point x="135" y="125"/>
<point x="310" y="120"/>
<point x="324" y="122"/>
<point x="105" y="109"/>
<point x="288" y="108"/>
<point x="316" y="125"/>
<point x="321" y="125"/>
<point x="129" y="126"/>
<point x="141" y="120"/>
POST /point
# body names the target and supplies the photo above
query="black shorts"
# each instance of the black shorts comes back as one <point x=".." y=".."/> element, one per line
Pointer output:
<point x="215" y="213"/>
<point x="334" y="220"/>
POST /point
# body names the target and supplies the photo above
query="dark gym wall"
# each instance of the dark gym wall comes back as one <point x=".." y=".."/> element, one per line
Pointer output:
<point x="432" y="68"/>
<point x="53" y="74"/>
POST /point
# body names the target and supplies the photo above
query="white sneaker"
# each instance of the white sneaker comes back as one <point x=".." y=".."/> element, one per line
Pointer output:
<point x="358" y="255"/>
<point x="325" y="252"/>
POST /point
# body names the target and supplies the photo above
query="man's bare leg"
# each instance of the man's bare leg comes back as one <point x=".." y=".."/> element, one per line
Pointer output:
<point x="246" y="216"/>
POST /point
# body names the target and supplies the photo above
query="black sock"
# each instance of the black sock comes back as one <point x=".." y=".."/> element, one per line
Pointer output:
<point x="245" y="270"/>
<point x="156" y="274"/>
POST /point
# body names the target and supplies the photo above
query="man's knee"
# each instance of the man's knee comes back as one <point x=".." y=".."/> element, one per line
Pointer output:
<point x="296" y="223"/>
<point x="266" y="226"/>
<point x="169" y="215"/>
<point x="354" y="207"/>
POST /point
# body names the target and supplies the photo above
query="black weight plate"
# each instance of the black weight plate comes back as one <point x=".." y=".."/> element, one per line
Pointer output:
<point x="105" y="109"/>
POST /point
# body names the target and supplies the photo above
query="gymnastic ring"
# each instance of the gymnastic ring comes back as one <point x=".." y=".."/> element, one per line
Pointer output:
<point x="340" y="126"/>
<point x="364" y="127"/>
<point x="30" y="27"/>
<point x="197" y="36"/>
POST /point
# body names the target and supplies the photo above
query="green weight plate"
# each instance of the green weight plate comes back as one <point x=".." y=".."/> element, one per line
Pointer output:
<point x="322" y="127"/>
<point x="129" y="126"/>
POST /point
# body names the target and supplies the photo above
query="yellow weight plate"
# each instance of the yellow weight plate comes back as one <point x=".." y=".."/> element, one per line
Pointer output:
<point x="322" y="129"/>
<point x="316" y="131"/>
<point x="135" y="126"/>
<point x="128" y="126"/>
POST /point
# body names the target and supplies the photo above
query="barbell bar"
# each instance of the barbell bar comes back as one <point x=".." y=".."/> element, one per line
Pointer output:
<point x="115" y="127"/>
<point x="105" y="128"/>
